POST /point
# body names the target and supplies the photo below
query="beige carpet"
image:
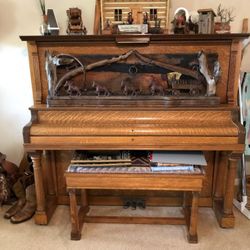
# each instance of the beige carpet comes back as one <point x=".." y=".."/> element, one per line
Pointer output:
<point x="119" y="236"/>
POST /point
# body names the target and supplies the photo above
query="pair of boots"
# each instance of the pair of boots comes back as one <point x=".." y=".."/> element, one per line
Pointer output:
<point x="24" y="208"/>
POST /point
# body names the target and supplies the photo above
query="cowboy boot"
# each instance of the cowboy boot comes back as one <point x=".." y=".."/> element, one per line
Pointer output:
<point x="29" y="208"/>
<point x="21" y="195"/>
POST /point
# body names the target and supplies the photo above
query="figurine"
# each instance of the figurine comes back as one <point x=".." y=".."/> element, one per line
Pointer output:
<point x="71" y="89"/>
<point x="179" y="22"/>
<point x="155" y="86"/>
<point x="75" y="25"/>
<point x="128" y="88"/>
<point x="145" y="17"/>
<point x="100" y="90"/>
<point x="130" y="19"/>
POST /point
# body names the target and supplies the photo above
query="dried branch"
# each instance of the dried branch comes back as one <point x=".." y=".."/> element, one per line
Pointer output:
<point x="42" y="6"/>
<point x="226" y="15"/>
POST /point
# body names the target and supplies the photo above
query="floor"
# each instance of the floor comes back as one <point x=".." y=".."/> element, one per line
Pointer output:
<point x="125" y="237"/>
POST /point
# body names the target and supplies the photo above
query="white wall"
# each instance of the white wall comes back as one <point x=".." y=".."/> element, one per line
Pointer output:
<point x="23" y="17"/>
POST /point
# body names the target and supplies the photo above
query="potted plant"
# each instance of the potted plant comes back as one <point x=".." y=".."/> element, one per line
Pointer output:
<point x="224" y="18"/>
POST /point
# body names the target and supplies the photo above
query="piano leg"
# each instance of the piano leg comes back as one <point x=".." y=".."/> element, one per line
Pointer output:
<point x="45" y="205"/>
<point x="40" y="215"/>
<point x="221" y="174"/>
<point x="224" y="208"/>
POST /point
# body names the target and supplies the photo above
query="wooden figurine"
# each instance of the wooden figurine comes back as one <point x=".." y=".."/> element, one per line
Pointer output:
<point x="75" y="24"/>
<point x="180" y="25"/>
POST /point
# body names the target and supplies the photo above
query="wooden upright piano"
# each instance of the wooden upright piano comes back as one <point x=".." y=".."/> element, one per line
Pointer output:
<point x="134" y="92"/>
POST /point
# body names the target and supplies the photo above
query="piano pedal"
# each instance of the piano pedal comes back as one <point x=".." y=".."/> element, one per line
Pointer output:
<point x="133" y="204"/>
<point x="126" y="203"/>
<point x="141" y="204"/>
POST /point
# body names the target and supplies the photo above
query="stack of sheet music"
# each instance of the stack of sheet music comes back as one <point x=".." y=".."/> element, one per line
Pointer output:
<point x="131" y="162"/>
<point x="167" y="161"/>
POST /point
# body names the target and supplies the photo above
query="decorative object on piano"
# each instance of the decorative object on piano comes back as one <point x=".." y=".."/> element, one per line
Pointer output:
<point x="180" y="25"/>
<point x="133" y="74"/>
<point x="206" y="21"/>
<point x="130" y="18"/>
<point x="75" y="24"/>
<point x="245" y="25"/>
<point x="225" y="17"/>
<point x="71" y="89"/>
<point x="156" y="29"/>
<point x="100" y="89"/>
<point x="141" y="12"/>
<point x="193" y="22"/>
<point x="44" y="28"/>
<point x="53" y="28"/>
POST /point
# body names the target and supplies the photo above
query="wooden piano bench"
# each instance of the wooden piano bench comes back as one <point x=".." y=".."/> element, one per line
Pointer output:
<point x="189" y="183"/>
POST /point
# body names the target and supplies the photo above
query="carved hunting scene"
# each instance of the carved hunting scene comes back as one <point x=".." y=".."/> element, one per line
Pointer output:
<point x="132" y="74"/>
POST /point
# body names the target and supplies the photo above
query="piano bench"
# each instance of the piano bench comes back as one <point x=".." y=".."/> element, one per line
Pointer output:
<point x="188" y="183"/>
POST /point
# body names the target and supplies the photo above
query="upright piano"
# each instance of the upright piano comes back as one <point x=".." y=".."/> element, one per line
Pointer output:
<point x="135" y="92"/>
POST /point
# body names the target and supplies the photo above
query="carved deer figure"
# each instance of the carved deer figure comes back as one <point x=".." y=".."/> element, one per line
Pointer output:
<point x="100" y="89"/>
<point x="71" y="89"/>
<point x="155" y="86"/>
<point x="128" y="88"/>
<point x="211" y="80"/>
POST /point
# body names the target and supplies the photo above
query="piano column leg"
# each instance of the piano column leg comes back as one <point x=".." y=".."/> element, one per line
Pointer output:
<point x="229" y="192"/>
<point x="40" y="215"/>
<point x="220" y="176"/>
<point x="224" y="207"/>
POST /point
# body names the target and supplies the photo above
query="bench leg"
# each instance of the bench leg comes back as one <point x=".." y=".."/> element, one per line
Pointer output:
<point x="84" y="208"/>
<point x="75" y="226"/>
<point x="192" y="230"/>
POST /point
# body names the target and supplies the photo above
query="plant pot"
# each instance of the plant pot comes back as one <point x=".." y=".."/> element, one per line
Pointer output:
<point x="221" y="28"/>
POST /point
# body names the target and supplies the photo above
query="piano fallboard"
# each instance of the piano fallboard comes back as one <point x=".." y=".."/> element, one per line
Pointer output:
<point x="83" y="128"/>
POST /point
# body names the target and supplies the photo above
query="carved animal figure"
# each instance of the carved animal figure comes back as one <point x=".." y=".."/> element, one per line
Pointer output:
<point x="128" y="88"/>
<point x="155" y="86"/>
<point x="71" y="89"/>
<point x="100" y="90"/>
<point x="211" y="80"/>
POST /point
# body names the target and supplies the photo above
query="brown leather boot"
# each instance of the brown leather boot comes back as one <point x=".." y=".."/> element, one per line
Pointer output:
<point x="29" y="208"/>
<point x="15" y="208"/>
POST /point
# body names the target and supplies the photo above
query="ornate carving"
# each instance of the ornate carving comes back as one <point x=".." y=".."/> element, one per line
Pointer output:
<point x="100" y="89"/>
<point x="132" y="74"/>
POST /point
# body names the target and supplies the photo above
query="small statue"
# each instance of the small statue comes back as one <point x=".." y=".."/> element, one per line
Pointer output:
<point x="71" y="89"/>
<point x="180" y="22"/>
<point x="145" y="17"/>
<point x="128" y="88"/>
<point x="100" y="90"/>
<point x="75" y="25"/>
<point x="130" y="18"/>
<point x="155" y="86"/>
